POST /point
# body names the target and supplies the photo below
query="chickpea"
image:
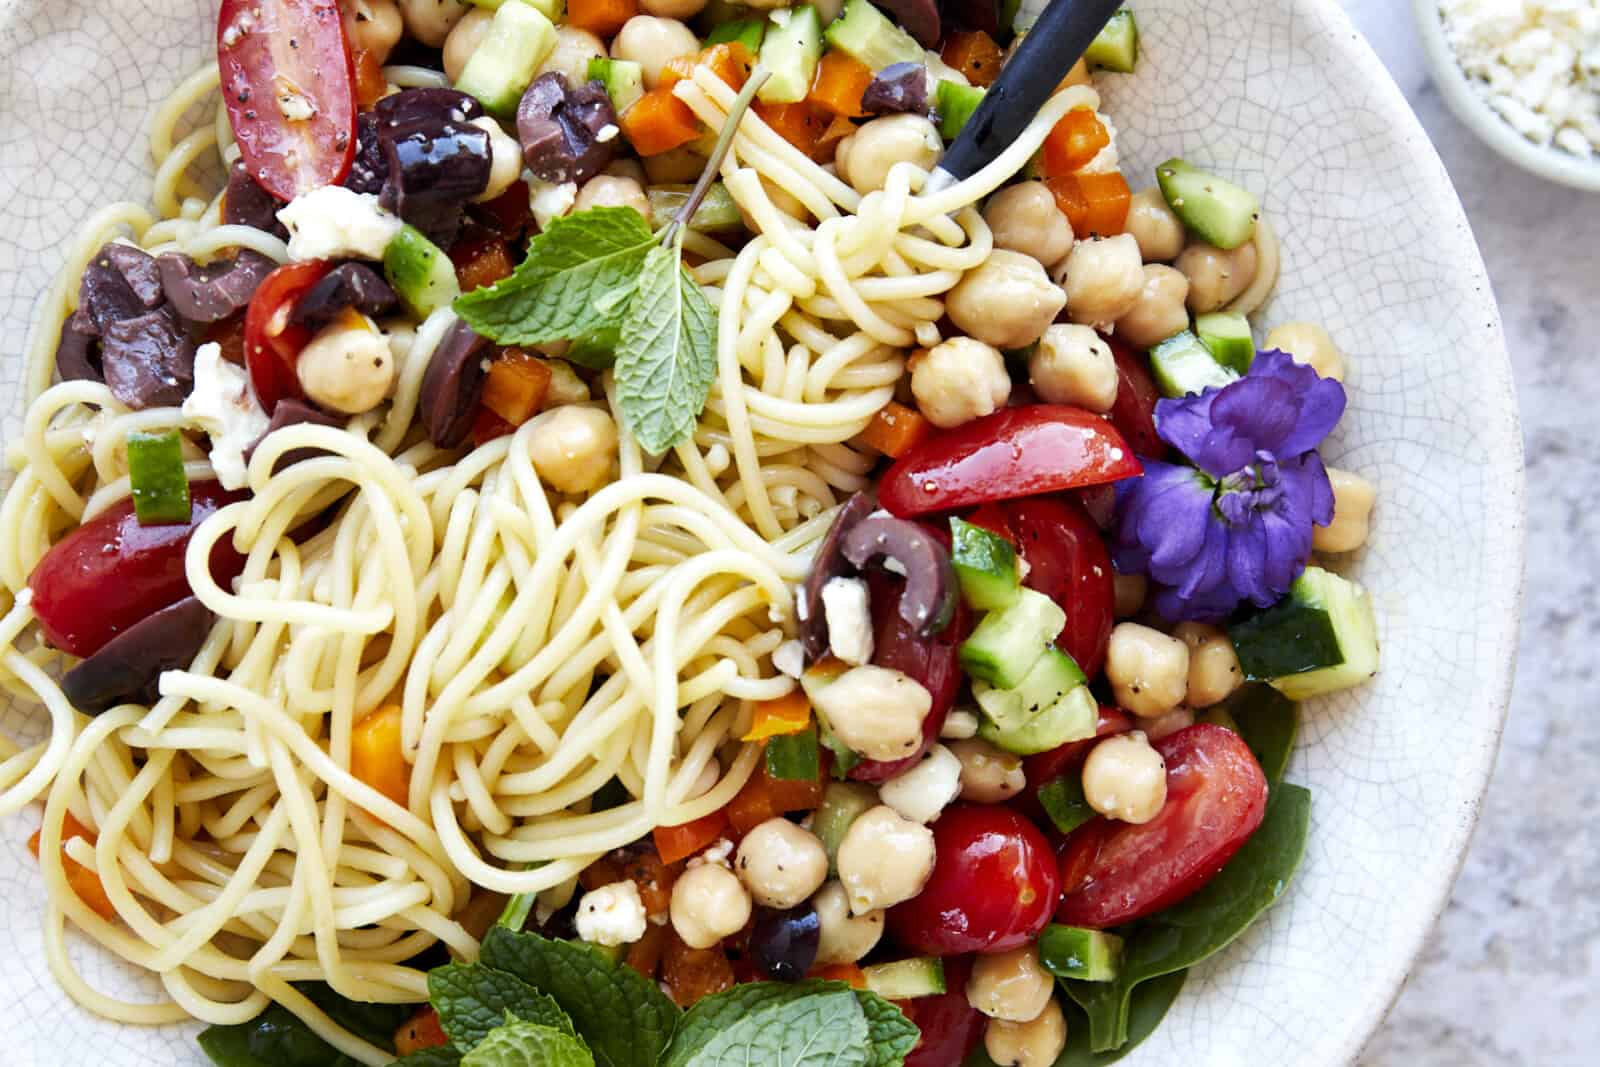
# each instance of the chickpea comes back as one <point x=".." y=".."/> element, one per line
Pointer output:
<point x="626" y="168"/>
<point x="347" y="367"/>
<point x="845" y="937"/>
<point x="505" y="159"/>
<point x="650" y="42"/>
<point x="1104" y="279"/>
<point x="1008" y="301"/>
<point x="876" y="711"/>
<point x="781" y="864"/>
<point x="989" y="775"/>
<point x="374" y="26"/>
<point x="884" y="859"/>
<point x="866" y="156"/>
<point x="959" y="725"/>
<point x="1177" y="719"/>
<point x="1159" y="312"/>
<point x="565" y="386"/>
<point x="677" y="167"/>
<point x="960" y="380"/>
<point x="1024" y="218"/>
<point x="574" y="448"/>
<point x="1216" y="277"/>
<point x="708" y="903"/>
<point x="570" y="57"/>
<point x="605" y="191"/>
<point x="1010" y="985"/>
<point x="1153" y="224"/>
<point x="1148" y="671"/>
<point x="1310" y="344"/>
<point x="1353" y="497"/>
<point x="1035" y="1043"/>
<point x="464" y="39"/>
<point x="1124" y="778"/>
<point x="1131" y="590"/>
<point x="1072" y="364"/>
<point x="672" y="9"/>
<point x="1213" y="664"/>
<point x="430" y="21"/>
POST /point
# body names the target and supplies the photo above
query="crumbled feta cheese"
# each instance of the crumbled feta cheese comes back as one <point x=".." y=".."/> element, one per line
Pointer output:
<point x="611" y="915"/>
<point x="1536" y="63"/>
<point x="716" y="853"/>
<point x="959" y="725"/>
<point x="608" y="132"/>
<point x="789" y="658"/>
<point x="1106" y="160"/>
<point x="295" y="107"/>
<point x="223" y="405"/>
<point x="551" y="201"/>
<point x="331" y="222"/>
<point x="921" y="793"/>
<point x="844" y="605"/>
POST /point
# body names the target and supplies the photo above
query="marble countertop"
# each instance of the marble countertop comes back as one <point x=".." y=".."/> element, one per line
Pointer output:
<point x="1511" y="976"/>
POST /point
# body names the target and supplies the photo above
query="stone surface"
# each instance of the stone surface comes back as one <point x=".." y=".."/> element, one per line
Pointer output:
<point x="1511" y="976"/>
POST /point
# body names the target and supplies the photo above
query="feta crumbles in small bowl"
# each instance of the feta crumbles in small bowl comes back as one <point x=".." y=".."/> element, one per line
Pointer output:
<point x="1524" y="75"/>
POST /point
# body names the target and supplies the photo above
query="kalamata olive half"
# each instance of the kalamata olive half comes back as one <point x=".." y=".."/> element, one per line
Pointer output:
<point x="930" y="594"/>
<point x="453" y="384"/>
<point x="212" y="292"/>
<point x="783" y="944"/>
<point x="898" y="88"/>
<point x="349" y="285"/>
<point x="828" y="563"/>
<point x="127" y="667"/>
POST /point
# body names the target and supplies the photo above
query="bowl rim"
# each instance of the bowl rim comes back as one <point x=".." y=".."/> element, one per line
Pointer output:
<point x="1470" y="106"/>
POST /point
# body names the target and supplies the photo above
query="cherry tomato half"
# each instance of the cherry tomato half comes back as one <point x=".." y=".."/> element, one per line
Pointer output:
<point x="1134" y="411"/>
<point x="112" y="572"/>
<point x="951" y="1027"/>
<point x="1020" y="451"/>
<point x="1115" y="872"/>
<point x="271" y="342"/>
<point x="289" y="84"/>
<point x="993" y="886"/>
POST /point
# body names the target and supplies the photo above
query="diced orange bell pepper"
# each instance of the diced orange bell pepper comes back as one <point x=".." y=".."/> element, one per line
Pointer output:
<point x="601" y="17"/>
<point x="516" y="386"/>
<point x="376" y="757"/>
<point x="896" y="430"/>
<point x="486" y="426"/>
<point x="731" y="61"/>
<point x="847" y="973"/>
<point x="675" y="843"/>
<point x="1073" y="142"/>
<point x="788" y="714"/>
<point x="764" y="798"/>
<point x="370" y="84"/>
<point x="658" y="122"/>
<point x="481" y="263"/>
<point x="420" y="1031"/>
<point x="85" y="881"/>
<point x="839" y="84"/>
<point x="800" y="124"/>
<point x="1095" y="204"/>
<point x="644" y="955"/>
<point x="828" y="143"/>
<point x="975" y="54"/>
<point x="690" y="974"/>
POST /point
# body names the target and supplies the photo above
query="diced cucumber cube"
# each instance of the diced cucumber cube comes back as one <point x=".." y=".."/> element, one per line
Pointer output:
<point x="1017" y="724"/>
<point x="956" y="104"/>
<point x="1226" y="335"/>
<point x="794" y="757"/>
<point x="1063" y="800"/>
<point x="842" y="804"/>
<point x="1080" y="954"/>
<point x="906" y="979"/>
<point x="420" y="273"/>
<point x="986" y="566"/>
<point x="500" y="71"/>
<point x="1212" y="208"/>
<point x="1116" y="47"/>
<point x="1319" y="639"/>
<point x="791" y="51"/>
<point x="864" y="33"/>
<point x="1182" y="365"/>
<point x="748" y="32"/>
<point x="1005" y="645"/>
<point x="623" y="79"/>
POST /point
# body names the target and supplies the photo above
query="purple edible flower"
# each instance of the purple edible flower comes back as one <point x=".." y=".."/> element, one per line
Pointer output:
<point x="1237" y="525"/>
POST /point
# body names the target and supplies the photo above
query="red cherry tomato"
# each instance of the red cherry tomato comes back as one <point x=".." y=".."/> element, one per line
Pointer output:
<point x="1068" y="562"/>
<point x="1134" y="411"/>
<point x="111" y="572"/>
<point x="271" y="342"/>
<point x="993" y="886"/>
<point x="1114" y="872"/>
<point x="1048" y="766"/>
<point x="1021" y="451"/>
<point x="951" y="1027"/>
<point x="289" y="84"/>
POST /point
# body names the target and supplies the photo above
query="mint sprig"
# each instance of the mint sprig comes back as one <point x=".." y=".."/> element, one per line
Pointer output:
<point x="472" y="1000"/>
<point x="599" y="278"/>
<point x="525" y="1044"/>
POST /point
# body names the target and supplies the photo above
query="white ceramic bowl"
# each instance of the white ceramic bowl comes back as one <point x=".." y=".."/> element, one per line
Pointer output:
<point x="1465" y="97"/>
<point x="1279" y="94"/>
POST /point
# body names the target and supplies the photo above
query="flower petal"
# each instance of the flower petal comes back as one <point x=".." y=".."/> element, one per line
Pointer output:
<point x="1259" y="413"/>
<point x="1247" y="561"/>
<point x="1184" y="423"/>
<point x="1321" y="400"/>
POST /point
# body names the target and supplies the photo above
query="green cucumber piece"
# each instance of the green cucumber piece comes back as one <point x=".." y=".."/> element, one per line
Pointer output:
<point x="985" y="565"/>
<point x="1081" y="954"/>
<point x="1116" y="48"/>
<point x="748" y="32"/>
<point x="554" y="10"/>
<point x="791" y="51"/>
<point x="1319" y="639"/>
<point x="955" y="103"/>
<point x="500" y="71"/>
<point x="623" y="79"/>
<point x="1011" y="726"/>
<point x="1062" y="799"/>
<point x="794" y="757"/>
<point x="420" y="273"/>
<point x="1005" y="645"/>
<point x="717" y="212"/>
<point x="1226" y="335"/>
<point x="155" y="475"/>
<point x="842" y="804"/>
<point x="864" y="33"/>
<point x="1182" y="365"/>
<point x="906" y="979"/>
<point x="845" y="758"/>
<point x="1212" y="208"/>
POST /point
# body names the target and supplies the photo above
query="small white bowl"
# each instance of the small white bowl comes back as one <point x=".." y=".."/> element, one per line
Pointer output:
<point x="1466" y="99"/>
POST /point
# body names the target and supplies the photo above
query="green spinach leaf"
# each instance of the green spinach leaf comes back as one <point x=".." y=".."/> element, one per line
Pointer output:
<point x="624" y="1017"/>
<point x="890" y="1036"/>
<point x="525" y="1044"/>
<point x="472" y="1000"/>
<point x="277" y="1037"/>
<point x="443" y="1056"/>
<point x="1268" y="721"/>
<point x="668" y="355"/>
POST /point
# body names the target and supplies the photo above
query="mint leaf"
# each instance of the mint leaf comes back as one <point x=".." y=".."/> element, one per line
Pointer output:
<point x="889" y="1035"/>
<point x="596" y="349"/>
<point x="668" y="355"/>
<point x="524" y="1044"/>
<point x="443" y="1056"/>
<point x="472" y="1000"/>
<point x="624" y="1016"/>
<point x="822" y="1029"/>
<point x="579" y="276"/>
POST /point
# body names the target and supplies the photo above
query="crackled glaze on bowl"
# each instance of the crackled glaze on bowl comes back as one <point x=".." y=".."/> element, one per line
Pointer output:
<point x="1281" y="95"/>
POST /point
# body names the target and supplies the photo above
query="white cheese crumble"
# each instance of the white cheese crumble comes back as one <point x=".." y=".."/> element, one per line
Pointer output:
<point x="789" y="658"/>
<point x="921" y="793"/>
<point x="1537" y="62"/>
<point x="844" y="605"/>
<point x="608" y="132"/>
<point x="611" y="915"/>
<point x="331" y="222"/>
<point x="1106" y="160"/>
<point x="223" y="405"/>
<point x="551" y="201"/>
<point x="715" y="853"/>
<point x="959" y="725"/>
